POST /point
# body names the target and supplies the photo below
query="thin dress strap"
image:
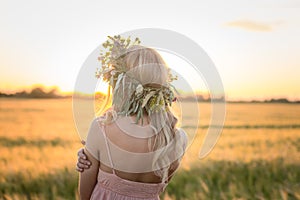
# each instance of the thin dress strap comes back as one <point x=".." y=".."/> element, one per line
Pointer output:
<point x="108" y="150"/>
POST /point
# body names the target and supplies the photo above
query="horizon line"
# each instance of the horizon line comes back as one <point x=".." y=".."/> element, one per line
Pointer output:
<point x="204" y="95"/>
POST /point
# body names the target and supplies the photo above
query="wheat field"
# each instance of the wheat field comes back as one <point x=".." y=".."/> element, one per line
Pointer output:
<point x="256" y="157"/>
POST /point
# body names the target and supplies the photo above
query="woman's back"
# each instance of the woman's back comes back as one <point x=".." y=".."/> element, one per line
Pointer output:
<point x="122" y="134"/>
<point x="124" y="146"/>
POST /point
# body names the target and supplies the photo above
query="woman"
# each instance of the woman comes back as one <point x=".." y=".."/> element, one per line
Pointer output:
<point x="134" y="148"/>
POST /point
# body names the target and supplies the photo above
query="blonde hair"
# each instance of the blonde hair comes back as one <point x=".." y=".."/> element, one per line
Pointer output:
<point x="148" y="67"/>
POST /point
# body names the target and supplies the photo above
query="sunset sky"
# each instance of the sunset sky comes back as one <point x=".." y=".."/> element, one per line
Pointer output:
<point x="256" y="48"/>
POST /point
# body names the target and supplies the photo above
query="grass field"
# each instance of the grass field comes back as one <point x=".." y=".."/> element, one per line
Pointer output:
<point x="257" y="156"/>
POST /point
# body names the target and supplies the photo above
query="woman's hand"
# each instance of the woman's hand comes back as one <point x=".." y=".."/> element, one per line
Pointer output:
<point x="82" y="162"/>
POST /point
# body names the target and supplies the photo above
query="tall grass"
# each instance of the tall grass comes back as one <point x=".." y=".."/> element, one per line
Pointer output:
<point x="61" y="184"/>
<point x="257" y="156"/>
<point x="211" y="180"/>
<point x="237" y="180"/>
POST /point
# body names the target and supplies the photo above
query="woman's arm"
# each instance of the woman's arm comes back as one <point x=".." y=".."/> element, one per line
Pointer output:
<point x="88" y="178"/>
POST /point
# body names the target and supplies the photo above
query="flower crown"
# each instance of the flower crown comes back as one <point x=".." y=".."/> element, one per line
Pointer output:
<point x="112" y="59"/>
<point x="144" y="97"/>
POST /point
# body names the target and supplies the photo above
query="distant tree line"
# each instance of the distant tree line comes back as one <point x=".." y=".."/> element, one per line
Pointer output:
<point x="37" y="92"/>
<point x="279" y="100"/>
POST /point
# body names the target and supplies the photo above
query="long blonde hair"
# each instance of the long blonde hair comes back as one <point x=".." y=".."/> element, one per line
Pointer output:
<point x="146" y="66"/>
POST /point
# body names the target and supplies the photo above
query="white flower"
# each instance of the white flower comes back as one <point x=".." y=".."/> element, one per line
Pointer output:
<point x="139" y="90"/>
<point x="112" y="72"/>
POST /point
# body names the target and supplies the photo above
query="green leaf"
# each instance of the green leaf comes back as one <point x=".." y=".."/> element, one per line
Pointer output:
<point x="136" y="108"/>
<point x="146" y="99"/>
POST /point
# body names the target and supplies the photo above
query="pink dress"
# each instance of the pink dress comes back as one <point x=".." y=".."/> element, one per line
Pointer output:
<point x="109" y="185"/>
